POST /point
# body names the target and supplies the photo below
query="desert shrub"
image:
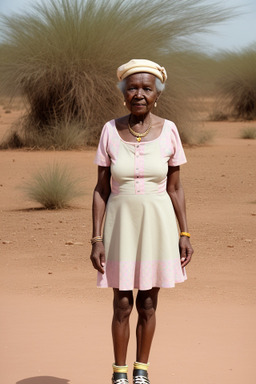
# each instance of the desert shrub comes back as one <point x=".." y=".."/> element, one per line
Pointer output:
<point x="60" y="135"/>
<point x="204" y="137"/>
<point x="237" y="84"/>
<point x="248" y="133"/>
<point x="62" y="56"/>
<point x="54" y="187"/>
<point x="12" y="140"/>
<point x="218" y="116"/>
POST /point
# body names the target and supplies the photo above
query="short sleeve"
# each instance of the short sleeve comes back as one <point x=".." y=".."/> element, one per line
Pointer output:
<point x="102" y="157"/>
<point x="178" y="155"/>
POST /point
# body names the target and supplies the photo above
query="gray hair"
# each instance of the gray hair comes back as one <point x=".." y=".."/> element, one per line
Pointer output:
<point x="159" y="85"/>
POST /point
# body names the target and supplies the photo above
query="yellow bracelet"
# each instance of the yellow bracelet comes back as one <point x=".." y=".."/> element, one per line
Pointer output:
<point x="96" y="239"/>
<point x="185" y="234"/>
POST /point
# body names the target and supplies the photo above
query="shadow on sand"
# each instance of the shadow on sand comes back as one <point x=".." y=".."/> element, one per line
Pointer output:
<point x="43" y="380"/>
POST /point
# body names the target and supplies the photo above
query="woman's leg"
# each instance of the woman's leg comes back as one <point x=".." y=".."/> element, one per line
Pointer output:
<point x="123" y="303"/>
<point x="146" y="303"/>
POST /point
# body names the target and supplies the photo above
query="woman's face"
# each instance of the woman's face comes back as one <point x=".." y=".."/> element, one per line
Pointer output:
<point x="140" y="93"/>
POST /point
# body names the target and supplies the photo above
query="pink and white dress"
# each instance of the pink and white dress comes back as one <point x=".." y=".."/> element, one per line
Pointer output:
<point x="140" y="235"/>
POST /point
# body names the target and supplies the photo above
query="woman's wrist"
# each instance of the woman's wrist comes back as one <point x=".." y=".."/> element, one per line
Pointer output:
<point x="186" y="234"/>
<point x="96" y="239"/>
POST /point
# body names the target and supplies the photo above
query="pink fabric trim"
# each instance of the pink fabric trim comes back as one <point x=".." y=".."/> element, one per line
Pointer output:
<point x="127" y="275"/>
<point x="178" y="157"/>
<point x="102" y="157"/>
<point x="115" y="188"/>
<point x="108" y="146"/>
<point x="139" y="169"/>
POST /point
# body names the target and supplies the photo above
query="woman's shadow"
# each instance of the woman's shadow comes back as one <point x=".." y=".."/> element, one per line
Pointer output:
<point x="43" y="380"/>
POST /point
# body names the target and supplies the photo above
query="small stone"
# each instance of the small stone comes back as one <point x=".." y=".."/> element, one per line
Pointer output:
<point x="6" y="242"/>
<point x="230" y="246"/>
<point x="69" y="243"/>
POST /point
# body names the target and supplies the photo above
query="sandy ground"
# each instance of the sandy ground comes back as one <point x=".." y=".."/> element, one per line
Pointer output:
<point x="55" y="323"/>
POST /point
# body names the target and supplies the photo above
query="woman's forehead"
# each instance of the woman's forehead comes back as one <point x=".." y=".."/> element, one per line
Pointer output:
<point x="141" y="77"/>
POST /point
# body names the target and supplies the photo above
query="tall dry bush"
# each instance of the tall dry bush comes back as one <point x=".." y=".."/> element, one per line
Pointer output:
<point x="62" y="56"/>
<point x="237" y="84"/>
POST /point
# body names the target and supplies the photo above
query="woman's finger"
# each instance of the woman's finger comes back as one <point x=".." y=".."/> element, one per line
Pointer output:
<point x="187" y="258"/>
<point x="96" y="262"/>
<point x="102" y="259"/>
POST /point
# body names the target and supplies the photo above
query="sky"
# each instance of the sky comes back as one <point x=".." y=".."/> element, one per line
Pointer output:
<point x="231" y="35"/>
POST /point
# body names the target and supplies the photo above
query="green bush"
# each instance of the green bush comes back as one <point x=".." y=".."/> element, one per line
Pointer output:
<point x="54" y="187"/>
<point x="62" y="56"/>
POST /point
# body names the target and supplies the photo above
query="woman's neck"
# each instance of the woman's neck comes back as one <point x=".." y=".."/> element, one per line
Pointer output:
<point x="141" y="120"/>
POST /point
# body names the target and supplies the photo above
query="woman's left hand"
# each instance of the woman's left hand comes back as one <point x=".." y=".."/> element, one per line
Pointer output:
<point x="186" y="251"/>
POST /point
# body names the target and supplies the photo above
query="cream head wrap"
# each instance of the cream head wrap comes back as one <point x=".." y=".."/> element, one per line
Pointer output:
<point x="141" y="65"/>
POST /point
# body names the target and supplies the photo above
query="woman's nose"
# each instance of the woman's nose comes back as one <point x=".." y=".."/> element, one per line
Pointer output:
<point x="139" y="93"/>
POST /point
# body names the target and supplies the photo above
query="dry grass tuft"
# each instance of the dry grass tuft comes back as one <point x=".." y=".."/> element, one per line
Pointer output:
<point x="204" y="137"/>
<point x="248" y="133"/>
<point x="54" y="187"/>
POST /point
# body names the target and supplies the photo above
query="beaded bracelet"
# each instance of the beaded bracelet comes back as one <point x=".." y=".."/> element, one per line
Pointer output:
<point x="96" y="239"/>
<point x="185" y="234"/>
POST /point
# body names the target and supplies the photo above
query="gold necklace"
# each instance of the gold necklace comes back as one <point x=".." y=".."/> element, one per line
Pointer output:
<point x="137" y="134"/>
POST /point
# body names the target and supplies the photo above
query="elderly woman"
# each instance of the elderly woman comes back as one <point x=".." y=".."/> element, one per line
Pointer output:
<point x="140" y="196"/>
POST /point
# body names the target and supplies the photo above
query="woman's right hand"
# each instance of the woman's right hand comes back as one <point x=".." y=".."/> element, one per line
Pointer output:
<point x="98" y="256"/>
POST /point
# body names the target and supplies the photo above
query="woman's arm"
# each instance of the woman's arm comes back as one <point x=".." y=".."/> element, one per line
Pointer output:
<point x="176" y="193"/>
<point x="100" y="198"/>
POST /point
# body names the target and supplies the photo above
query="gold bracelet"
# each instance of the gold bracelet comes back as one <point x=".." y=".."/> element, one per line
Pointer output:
<point x="185" y="234"/>
<point x="96" y="239"/>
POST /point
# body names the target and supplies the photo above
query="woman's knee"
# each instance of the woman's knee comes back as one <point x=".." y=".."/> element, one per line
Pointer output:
<point x="123" y="304"/>
<point x="146" y="303"/>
